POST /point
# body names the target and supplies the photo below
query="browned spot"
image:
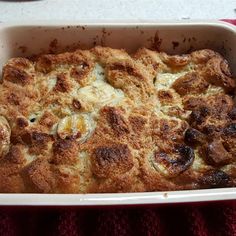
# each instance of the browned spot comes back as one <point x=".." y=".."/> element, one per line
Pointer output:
<point x="176" y="162"/>
<point x="15" y="155"/>
<point x="125" y="68"/>
<point x="215" y="154"/>
<point x="21" y="63"/>
<point x="81" y="71"/>
<point x="21" y="122"/>
<point x="202" y="56"/>
<point x="193" y="137"/>
<point x="217" y="72"/>
<point x="62" y="84"/>
<point x="175" y="60"/>
<point x="116" y="121"/>
<point x="198" y="116"/>
<point x="48" y="119"/>
<point x="37" y="141"/>
<point x="192" y="103"/>
<point x="165" y="96"/>
<point x="137" y="123"/>
<point x="232" y="114"/>
<point x="230" y="130"/>
<point x="13" y="99"/>
<point x="16" y="75"/>
<point x="65" y="152"/>
<point x="111" y="160"/>
<point x="214" y="179"/>
<point x="190" y="83"/>
<point x="39" y="177"/>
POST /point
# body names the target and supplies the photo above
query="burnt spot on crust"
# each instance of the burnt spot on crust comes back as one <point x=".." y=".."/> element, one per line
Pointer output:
<point x="111" y="160"/>
<point x="39" y="177"/>
<point x="190" y="83"/>
<point x="215" y="153"/>
<point x="193" y="137"/>
<point x="16" y="75"/>
<point x="175" y="162"/>
<point x="211" y="131"/>
<point x="229" y="137"/>
<point x="65" y="152"/>
<point x="62" y="84"/>
<point x="214" y="179"/>
<point x="230" y="130"/>
<point x="198" y="116"/>
<point x="116" y="120"/>
<point x="232" y="114"/>
<point x="217" y="73"/>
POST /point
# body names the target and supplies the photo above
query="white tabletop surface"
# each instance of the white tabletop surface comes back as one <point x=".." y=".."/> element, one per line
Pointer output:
<point x="94" y="10"/>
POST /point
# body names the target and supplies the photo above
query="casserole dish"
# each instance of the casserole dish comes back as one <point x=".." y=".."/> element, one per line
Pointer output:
<point x="175" y="38"/>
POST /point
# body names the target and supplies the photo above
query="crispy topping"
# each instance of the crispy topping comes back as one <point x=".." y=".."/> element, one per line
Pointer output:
<point x="193" y="137"/>
<point x="214" y="179"/>
<point x="103" y="120"/>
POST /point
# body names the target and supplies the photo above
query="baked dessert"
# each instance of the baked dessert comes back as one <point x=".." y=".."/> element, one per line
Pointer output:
<point x="102" y="120"/>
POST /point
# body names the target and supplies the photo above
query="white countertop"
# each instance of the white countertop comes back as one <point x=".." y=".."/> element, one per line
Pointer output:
<point x="94" y="10"/>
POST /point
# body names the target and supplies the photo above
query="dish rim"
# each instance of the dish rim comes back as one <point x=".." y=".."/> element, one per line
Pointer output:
<point x="106" y="199"/>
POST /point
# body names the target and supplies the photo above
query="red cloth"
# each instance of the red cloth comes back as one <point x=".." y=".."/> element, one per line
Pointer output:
<point x="216" y="219"/>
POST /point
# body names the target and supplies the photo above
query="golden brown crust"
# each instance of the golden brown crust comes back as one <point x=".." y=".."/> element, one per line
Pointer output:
<point x="102" y="120"/>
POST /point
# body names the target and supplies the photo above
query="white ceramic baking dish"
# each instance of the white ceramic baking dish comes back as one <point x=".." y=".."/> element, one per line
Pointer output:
<point x="27" y="39"/>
